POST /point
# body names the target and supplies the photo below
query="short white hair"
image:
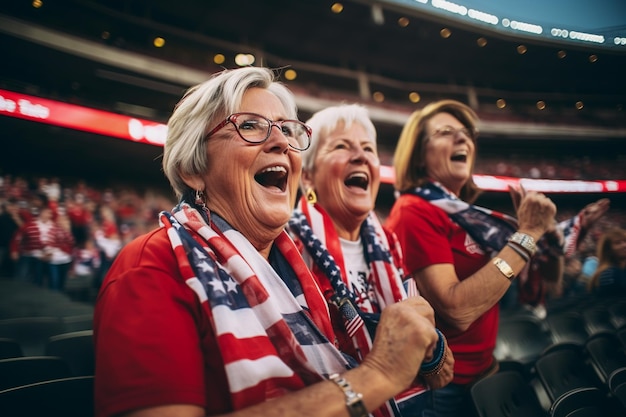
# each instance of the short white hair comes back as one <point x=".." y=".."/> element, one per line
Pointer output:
<point x="327" y="120"/>
<point x="206" y="105"/>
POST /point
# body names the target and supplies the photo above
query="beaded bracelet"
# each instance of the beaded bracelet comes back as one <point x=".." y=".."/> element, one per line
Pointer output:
<point x="435" y="365"/>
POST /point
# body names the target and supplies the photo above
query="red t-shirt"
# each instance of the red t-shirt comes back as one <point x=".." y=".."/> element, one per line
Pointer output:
<point x="154" y="345"/>
<point x="428" y="237"/>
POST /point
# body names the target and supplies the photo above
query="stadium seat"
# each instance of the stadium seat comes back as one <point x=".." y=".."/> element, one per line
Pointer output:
<point x="522" y="339"/>
<point x="30" y="369"/>
<point x="31" y="333"/>
<point x="67" y="397"/>
<point x="78" y="322"/>
<point x="606" y="353"/>
<point x="505" y="393"/>
<point x="10" y="348"/>
<point x="562" y="370"/>
<point x="597" y="319"/>
<point x="567" y="327"/>
<point x="583" y="402"/>
<point x="617" y="312"/>
<point x="76" y="348"/>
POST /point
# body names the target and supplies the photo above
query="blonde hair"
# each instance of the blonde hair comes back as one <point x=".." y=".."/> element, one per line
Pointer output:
<point x="606" y="256"/>
<point x="204" y="106"/>
<point x="409" y="156"/>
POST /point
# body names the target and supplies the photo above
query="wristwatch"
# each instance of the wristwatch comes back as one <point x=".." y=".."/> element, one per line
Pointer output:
<point x="525" y="241"/>
<point x="354" y="400"/>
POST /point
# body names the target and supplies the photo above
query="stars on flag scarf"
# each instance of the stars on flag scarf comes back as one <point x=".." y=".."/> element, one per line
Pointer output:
<point x="490" y="228"/>
<point x="269" y="345"/>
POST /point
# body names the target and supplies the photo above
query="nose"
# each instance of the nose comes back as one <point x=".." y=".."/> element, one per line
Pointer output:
<point x="278" y="140"/>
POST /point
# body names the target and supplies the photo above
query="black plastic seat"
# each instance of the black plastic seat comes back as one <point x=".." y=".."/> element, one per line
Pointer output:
<point x="30" y="369"/>
<point x="78" y="322"/>
<point x="562" y="370"/>
<point x="606" y="353"/>
<point x="31" y="333"/>
<point x="522" y="339"/>
<point x="10" y="348"/>
<point x="76" y="348"/>
<point x="505" y="393"/>
<point x="67" y="397"/>
<point x="597" y="319"/>
<point x="567" y="327"/>
<point x="584" y="402"/>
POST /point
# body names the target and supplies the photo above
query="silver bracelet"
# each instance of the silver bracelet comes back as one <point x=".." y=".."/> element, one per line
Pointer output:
<point x="354" y="400"/>
<point x="521" y="252"/>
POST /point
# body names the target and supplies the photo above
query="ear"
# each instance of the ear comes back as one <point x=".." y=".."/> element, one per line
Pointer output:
<point x="194" y="182"/>
<point x="307" y="180"/>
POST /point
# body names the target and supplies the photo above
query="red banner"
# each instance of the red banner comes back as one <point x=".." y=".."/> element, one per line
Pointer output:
<point x="145" y="131"/>
<point x="81" y="118"/>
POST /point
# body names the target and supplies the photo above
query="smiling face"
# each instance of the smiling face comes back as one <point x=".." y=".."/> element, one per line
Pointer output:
<point x="449" y="152"/>
<point x="346" y="177"/>
<point x="253" y="186"/>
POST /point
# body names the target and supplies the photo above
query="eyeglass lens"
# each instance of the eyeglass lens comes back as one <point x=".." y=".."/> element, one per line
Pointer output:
<point x="450" y="132"/>
<point x="255" y="128"/>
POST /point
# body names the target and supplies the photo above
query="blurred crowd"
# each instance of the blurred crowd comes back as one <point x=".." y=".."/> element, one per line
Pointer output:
<point x="65" y="234"/>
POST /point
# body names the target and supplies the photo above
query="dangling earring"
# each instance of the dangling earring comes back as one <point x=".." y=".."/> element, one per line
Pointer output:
<point x="200" y="199"/>
<point x="311" y="197"/>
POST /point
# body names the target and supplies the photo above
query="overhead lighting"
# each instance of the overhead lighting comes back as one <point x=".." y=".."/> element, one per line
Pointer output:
<point x="521" y="49"/>
<point x="500" y="103"/>
<point x="593" y="58"/>
<point x="336" y="8"/>
<point x="561" y="54"/>
<point x="481" y="42"/>
<point x="244" y="59"/>
<point x="541" y="105"/>
<point x="219" y="59"/>
<point x="579" y="105"/>
<point x="414" y="97"/>
<point x="445" y="33"/>
<point x="158" y="42"/>
<point x="378" y="97"/>
<point x="403" y="22"/>
<point x="377" y="14"/>
<point x="37" y="4"/>
<point x="291" y="75"/>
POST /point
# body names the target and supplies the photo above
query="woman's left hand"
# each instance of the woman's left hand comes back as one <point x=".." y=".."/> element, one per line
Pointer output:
<point x="445" y="374"/>
<point x="593" y="211"/>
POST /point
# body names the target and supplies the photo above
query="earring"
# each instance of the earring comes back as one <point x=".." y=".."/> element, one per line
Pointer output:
<point x="200" y="199"/>
<point x="311" y="197"/>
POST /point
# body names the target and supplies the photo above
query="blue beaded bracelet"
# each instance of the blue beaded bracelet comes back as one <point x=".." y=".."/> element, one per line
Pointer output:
<point x="437" y="355"/>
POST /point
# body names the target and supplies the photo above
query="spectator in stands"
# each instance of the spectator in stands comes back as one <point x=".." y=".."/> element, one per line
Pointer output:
<point x="345" y="246"/>
<point x="610" y="276"/>
<point x="60" y="248"/>
<point x="10" y="222"/>
<point x="215" y="311"/>
<point x="463" y="257"/>
<point x="30" y="247"/>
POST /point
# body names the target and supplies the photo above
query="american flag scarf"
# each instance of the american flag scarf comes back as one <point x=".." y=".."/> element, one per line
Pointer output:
<point x="492" y="229"/>
<point x="270" y="344"/>
<point x="313" y="227"/>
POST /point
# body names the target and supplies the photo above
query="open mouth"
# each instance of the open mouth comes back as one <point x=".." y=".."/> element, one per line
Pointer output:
<point x="459" y="156"/>
<point x="275" y="176"/>
<point x="357" y="179"/>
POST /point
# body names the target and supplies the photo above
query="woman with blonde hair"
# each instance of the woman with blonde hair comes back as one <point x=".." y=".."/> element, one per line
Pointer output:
<point x="610" y="276"/>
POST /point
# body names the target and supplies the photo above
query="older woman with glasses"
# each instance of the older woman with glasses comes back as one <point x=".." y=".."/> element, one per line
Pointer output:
<point x="215" y="312"/>
<point x="356" y="262"/>
<point x="463" y="257"/>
